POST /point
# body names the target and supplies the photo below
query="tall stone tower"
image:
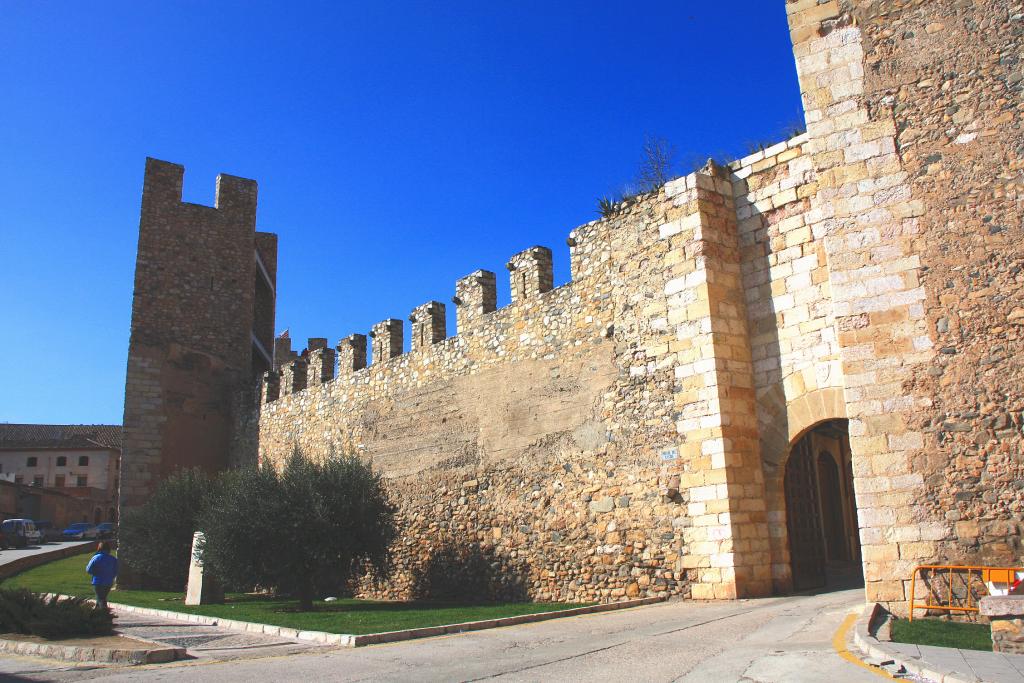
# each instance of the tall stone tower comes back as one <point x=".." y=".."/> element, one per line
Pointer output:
<point x="202" y="331"/>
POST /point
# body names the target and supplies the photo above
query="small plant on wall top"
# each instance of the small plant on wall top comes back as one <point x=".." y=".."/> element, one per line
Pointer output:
<point x="606" y="206"/>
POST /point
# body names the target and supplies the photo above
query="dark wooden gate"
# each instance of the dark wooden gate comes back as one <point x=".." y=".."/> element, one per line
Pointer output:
<point x="803" y="519"/>
<point x="836" y="547"/>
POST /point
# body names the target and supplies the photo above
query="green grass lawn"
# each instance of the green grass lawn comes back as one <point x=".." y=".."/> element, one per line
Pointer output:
<point x="965" y="636"/>
<point x="68" y="577"/>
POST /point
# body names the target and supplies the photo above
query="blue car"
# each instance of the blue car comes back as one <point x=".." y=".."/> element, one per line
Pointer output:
<point x="81" y="531"/>
<point x="105" y="530"/>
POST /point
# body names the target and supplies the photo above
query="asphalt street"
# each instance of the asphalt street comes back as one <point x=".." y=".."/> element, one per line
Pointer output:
<point x="12" y="554"/>
<point x="772" y="639"/>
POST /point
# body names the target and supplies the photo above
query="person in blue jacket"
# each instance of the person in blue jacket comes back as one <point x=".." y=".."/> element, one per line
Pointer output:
<point x="103" y="567"/>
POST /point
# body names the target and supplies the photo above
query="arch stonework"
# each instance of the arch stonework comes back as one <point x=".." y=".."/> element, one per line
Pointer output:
<point x="783" y="424"/>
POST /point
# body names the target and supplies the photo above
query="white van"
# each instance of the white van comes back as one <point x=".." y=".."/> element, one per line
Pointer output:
<point x="21" y="532"/>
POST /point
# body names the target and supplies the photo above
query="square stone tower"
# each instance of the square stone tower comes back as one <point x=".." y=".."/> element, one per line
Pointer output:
<point x="202" y="331"/>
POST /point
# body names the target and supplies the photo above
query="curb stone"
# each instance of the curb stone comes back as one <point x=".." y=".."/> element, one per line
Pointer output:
<point x="351" y="640"/>
<point x="80" y="653"/>
<point x="874" y="649"/>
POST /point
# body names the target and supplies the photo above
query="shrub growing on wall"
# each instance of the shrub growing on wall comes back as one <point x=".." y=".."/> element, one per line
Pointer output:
<point x="303" y="531"/>
<point x="155" y="540"/>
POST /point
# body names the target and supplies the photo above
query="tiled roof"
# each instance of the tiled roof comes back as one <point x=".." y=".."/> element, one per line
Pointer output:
<point x="17" y="436"/>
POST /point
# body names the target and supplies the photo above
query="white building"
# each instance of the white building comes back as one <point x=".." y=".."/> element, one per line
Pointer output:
<point x="82" y="460"/>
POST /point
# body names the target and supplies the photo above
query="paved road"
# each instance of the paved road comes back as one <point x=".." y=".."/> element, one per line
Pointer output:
<point x="12" y="554"/>
<point x="775" y="639"/>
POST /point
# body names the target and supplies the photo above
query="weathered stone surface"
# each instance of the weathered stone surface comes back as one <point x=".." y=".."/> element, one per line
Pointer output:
<point x="202" y="589"/>
<point x="1002" y="606"/>
<point x="1006" y="615"/>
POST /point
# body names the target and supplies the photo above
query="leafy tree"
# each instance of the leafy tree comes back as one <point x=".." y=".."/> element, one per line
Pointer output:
<point x="155" y="539"/>
<point x="304" y="531"/>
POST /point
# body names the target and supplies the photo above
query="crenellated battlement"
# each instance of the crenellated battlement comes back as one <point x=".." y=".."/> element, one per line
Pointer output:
<point x="293" y="377"/>
<point x="386" y="340"/>
<point x="476" y="295"/>
<point x="283" y="353"/>
<point x="530" y="278"/>
<point x="530" y="273"/>
<point x="271" y="386"/>
<point x="428" y="325"/>
<point x="321" y="359"/>
<point x="689" y="200"/>
<point x="352" y="353"/>
<point x="163" y="183"/>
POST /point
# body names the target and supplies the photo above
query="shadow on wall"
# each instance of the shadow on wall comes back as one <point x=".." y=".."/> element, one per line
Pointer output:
<point x="470" y="573"/>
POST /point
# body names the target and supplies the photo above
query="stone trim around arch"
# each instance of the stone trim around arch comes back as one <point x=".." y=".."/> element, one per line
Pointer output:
<point x="783" y="422"/>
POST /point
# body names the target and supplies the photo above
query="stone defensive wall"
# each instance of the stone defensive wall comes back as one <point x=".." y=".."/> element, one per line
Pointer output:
<point x="598" y="439"/>
<point x="630" y="433"/>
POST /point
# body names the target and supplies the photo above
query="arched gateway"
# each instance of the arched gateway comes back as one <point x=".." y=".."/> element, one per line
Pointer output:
<point x="821" y="516"/>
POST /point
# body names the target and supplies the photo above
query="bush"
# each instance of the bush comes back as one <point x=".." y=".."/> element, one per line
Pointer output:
<point x="22" y="611"/>
<point x="155" y="539"/>
<point x="303" y="532"/>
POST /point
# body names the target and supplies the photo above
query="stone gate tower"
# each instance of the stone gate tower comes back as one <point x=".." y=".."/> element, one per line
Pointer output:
<point x="202" y="330"/>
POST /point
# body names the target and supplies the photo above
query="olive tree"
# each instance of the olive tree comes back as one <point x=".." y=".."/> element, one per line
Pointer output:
<point x="155" y="539"/>
<point x="303" y="531"/>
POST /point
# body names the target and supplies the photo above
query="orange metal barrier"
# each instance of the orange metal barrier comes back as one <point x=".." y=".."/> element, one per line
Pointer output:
<point x="966" y="574"/>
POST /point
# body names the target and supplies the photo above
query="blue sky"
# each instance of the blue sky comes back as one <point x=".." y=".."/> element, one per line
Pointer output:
<point x="398" y="146"/>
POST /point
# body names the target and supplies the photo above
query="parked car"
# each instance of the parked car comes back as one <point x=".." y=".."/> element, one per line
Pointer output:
<point x="21" y="532"/>
<point x="6" y="541"/>
<point x="47" y="531"/>
<point x="82" y="531"/>
<point x="105" y="530"/>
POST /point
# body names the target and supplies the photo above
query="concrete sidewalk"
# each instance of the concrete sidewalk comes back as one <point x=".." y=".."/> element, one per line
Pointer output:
<point x="936" y="664"/>
<point x="955" y="665"/>
<point x="204" y="642"/>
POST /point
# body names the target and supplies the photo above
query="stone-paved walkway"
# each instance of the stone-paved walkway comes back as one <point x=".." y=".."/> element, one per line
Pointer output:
<point x="205" y="642"/>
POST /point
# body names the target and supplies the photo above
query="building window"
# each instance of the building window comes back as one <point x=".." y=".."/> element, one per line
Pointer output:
<point x="62" y="461"/>
<point x="37" y="480"/>
<point x="58" y="481"/>
<point x="18" y="479"/>
<point x="83" y="461"/>
<point x="32" y="461"/>
<point x="82" y="480"/>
